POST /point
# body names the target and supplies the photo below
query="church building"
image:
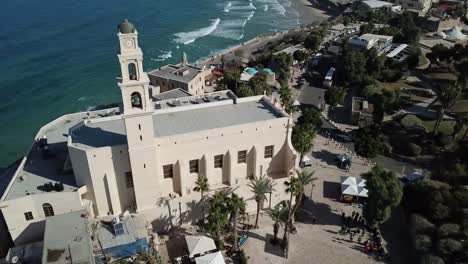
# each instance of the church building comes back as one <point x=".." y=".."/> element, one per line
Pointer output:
<point x="145" y="156"/>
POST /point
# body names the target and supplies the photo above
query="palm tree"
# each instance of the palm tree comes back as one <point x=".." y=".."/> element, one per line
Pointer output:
<point x="304" y="177"/>
<point x="218" y="214"/>
<point x="202" y="186"/>
<point x="447" y="96"/>
<point x="237" y="205"/>
<point x="260" y="187"/>
<point x="291" y="188"/>
<point x="460" y="125"/>
<point x="278" y="215"/>
<point x="302" y="139"/>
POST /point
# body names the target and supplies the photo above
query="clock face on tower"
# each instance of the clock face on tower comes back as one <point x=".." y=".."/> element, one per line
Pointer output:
<point x="129" y="43"/>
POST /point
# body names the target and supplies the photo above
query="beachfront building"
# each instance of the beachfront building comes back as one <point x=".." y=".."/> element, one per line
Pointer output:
<point x="371" y="41"/>
<point x="418" y="6"/>
<point x="186" y="76"/>
<point x="145" y="156"/>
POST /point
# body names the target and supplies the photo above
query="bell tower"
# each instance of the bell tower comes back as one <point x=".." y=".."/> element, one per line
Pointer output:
<point x="138" y="118"/>
<point x="134" y="83"/>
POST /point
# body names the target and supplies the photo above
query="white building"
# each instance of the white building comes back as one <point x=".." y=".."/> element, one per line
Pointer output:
<point x="369" y="41"/>
<point x="145" y="156"/>
<point x="419" y="6"/>
<point x="183" y="75"/>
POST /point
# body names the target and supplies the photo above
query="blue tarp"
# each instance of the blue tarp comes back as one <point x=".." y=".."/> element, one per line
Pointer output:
<point x="127" y="250"/>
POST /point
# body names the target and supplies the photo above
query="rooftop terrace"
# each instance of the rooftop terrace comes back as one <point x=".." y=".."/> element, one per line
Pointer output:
<point x="180" y="116"/>
<point x="46" y="166"/>
<point x="177" y="72"/>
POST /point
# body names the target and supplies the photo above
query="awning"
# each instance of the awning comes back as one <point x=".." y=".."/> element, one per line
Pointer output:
<point x="349" y="190"/>
<point x="199" y="245"/>
<point x="348" y="180"/>
<point x="213" y="258"/>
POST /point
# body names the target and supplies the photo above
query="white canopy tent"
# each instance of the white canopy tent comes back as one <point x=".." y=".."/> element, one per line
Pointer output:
<point x="353" y="186"/>
<point x="199" y="245"/>
<point x="213" y="258"/>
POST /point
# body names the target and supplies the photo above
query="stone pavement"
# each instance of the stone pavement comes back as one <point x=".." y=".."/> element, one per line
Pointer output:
<point x="320" y="242"/>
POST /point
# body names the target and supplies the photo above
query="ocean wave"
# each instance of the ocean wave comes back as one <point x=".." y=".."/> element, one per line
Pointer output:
<point x="227" y="6"/>
<point x="190" y="37"/>
<point x="164" y="56"/>
<point x="82" y="98"/>
<point x="234" y="28"/>
<point x="265" y="8"/>
<point x="275" y="5"/>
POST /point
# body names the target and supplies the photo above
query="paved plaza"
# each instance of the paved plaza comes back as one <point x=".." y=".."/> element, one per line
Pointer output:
<point x="319" y="242"/>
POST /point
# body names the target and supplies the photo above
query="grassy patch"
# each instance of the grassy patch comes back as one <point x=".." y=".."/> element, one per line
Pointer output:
<point x="397" y="86"/>
<point x="461" y="106"/>
<point x="411" y="121"/>
<point x="422" y="59"/>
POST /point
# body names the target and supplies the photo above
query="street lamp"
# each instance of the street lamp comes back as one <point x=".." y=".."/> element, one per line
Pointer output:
<point x="312" y="190"/>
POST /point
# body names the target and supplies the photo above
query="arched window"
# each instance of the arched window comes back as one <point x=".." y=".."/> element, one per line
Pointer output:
<point x="132" y="73"/>
<point x="136" y="100"/>
<point x="48" y="209"/>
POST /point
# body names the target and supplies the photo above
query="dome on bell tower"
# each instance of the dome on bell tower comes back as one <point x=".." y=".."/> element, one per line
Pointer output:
<point x="126" y="27"/>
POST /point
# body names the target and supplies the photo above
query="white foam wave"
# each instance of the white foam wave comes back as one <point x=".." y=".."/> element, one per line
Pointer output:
<point x="265" y="8"/>
<point x="164" y="56"/>
<point x="82" y="98"/>
<point x="190" y="37"/>
<point x="252" y="6"/>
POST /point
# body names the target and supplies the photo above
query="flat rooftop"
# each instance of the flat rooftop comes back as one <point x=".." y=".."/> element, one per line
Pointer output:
<point x="189" y="116"/>
<point x="52" y="167"/>
<point x="67" y="239"/>
<point x="178" y="72"/>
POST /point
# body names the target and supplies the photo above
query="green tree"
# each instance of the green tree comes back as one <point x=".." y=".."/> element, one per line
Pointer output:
<point x="366" y="28"/>
<point x="304" y="178"/>
<point x="310" y="117"/>
<point x="231" y="78"/>
<point x="260" y="186"/>
<point x="237" y="206"/>
<point x="368" y="142"/>
<point x="244" y="90"/>
<point x="217" y="217"/>
<point x="335" y="96"/>
<point x="278" y="215"/>
<point x="384" y="192"/>
<point x="202" y="186"/>
<point x="302" y="139"/>
<point x="292" y="187"/>
<point x="354" y="63"/>
<point x="312" y="42"/>
<point x="258" y="84"/>
<point x="447" y="96"/>
<point x="282" y="63"/>
<point x="287" y="100"/>
<point x="300" y="55"/>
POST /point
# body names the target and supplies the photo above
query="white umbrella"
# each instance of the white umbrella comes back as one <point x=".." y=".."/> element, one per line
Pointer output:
<point x="199" y="244"/>
<point x="213" y="258"/>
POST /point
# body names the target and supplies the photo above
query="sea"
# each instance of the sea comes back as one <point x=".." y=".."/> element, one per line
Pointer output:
<point x="58" y="57"/>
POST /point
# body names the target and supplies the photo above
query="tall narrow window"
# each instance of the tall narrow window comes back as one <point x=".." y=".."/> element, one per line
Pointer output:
<point x="193" y="164"/>
<point x="141" y="138"/>
<point x="129" y="179"/>
<point x="139" y="126"/>
<point x="268" y="152"/>
<point x="218" y="161"/>
<point x="242" y="156"/>
<point x="132" y="73"/>
<point x="28" y="216"/>
<point x="168" y="171"/>
<point x="48" y="209"/>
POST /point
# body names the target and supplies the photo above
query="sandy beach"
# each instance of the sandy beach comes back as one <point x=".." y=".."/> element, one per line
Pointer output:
<point x="311" y="12"/>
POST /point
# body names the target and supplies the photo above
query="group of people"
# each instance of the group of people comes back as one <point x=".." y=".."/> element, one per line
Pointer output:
<point x="355" y="225"/>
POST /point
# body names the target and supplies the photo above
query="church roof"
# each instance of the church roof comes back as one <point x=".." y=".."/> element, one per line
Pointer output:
<point x="187" y="118"/>
<point x="179" y="72"/>
<point x="125" y="27"/>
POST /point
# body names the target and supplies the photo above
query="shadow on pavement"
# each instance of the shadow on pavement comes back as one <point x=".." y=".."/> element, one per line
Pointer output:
<point x="331" y="190"/>
<point x="274" y="249"/>
<point x="397" y="235"/>
<point x="325" y="156"/>
<point x="317" y="213"/>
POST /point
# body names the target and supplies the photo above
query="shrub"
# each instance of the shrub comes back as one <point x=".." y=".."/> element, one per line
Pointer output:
<point x="422" y="243"/>
<point x="443" y="140"/>
<point x="448" y="246"/>
<point x="391" y="127"/>
<point x="243" y="258"/>
<point x="421" y="225"/>
<point x="448" y="230"/>
<point x="410" y="121"/>
<point x="413" y="150"/>
<point x="431" y="259"/>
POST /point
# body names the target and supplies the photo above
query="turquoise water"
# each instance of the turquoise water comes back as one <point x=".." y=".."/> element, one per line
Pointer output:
<point x="58" y="57"/>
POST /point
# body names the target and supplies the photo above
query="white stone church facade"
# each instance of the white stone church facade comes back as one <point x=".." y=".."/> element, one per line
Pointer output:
<point x="145" y="156"/>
